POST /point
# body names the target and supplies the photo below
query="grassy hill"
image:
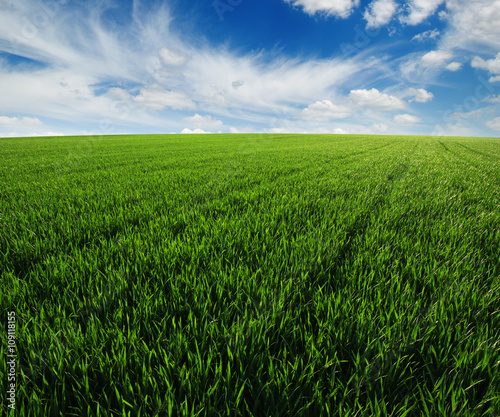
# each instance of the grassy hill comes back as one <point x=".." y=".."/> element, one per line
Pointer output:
<point x="264" y="275"/>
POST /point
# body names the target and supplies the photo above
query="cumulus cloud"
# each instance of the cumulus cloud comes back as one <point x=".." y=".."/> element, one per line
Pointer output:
<point x="24" y="126"/>
<point x="379" y="13"/>
<point x="204" y="121"/>
<point x="376" y="100"/>
<point x="16" y="122"/>
<point x="472" y="23"/>
<point x="405" y="119"/>
<point x="339" y="8"/>
<point x="323" y="111"/>
<point x="436" y="59"/>
<point x="494" y="124"/>
<point x="419" y="10"/>
<point x="419" y="95"/>
<point x="191" y="131"/>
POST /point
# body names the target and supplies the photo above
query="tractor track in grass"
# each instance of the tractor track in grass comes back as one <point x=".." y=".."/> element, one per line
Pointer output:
<point x="330" y="271"/>
<point x="363" y="221"/>
<point x="491" y="175"/>
<point x="479" y="152"/>
<point x="362" y="152"/>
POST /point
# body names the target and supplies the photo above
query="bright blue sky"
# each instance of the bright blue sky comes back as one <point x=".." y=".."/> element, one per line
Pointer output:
<point x="429" y="67"/>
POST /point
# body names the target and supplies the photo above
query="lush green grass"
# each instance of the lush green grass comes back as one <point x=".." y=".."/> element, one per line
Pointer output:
<point x="264" y="275"/>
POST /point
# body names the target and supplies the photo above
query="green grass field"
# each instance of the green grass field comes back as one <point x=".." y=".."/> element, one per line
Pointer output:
<point x="253" y="275"/>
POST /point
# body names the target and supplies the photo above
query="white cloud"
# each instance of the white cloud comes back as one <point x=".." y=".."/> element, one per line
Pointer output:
<point x="155" y="98"/>
<point x="47" y="134"/>
<point x="473" y="23"/>
<point x="436" y="59"/>
<point x="454" y="66"/>
<point x="474" y="114"/>
<point x="195" y="131"/>
<point x="379" y="128"/>
<point x="265" y="87"/>
<point x="379" y="13"/>
<point x="171" y="58"/>
<point x="323" y="111"/>
<point x="425" y="68"/>
<point x="490" y="65"/>
<point x="283" y="130"/>
<point x="24" y="134"/>
<point x="339" y="8"/>
<point x="233" y="129"/>
<point x="419" y="95"/>
<point x="158" y="99"/>
<point x="494" y="124"/>
<point x="376" y="100"/>
<point x="452" y="129"/>
<point x="141" y="74"/>
<point x="419" y="10"/>
<point x="429" y="34"/>
<point x="492" y="99"/>
<point x="249" y="87"/>
<point x="404" y="119"/>
<point x="204" y="121"/>
<point x="22" y="122"/>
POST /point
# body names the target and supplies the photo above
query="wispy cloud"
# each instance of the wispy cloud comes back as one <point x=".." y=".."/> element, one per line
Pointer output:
<point x="404" y="119"/>
<point x="132" y="75"/>
<point x="494" y="124"/>
<point x="204" y="121"/>
<point x="339" y="8"/>
<point x="142" y="74"/>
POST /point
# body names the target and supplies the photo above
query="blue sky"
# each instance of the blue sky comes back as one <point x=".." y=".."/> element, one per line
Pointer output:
<point x="426" y="67"/>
